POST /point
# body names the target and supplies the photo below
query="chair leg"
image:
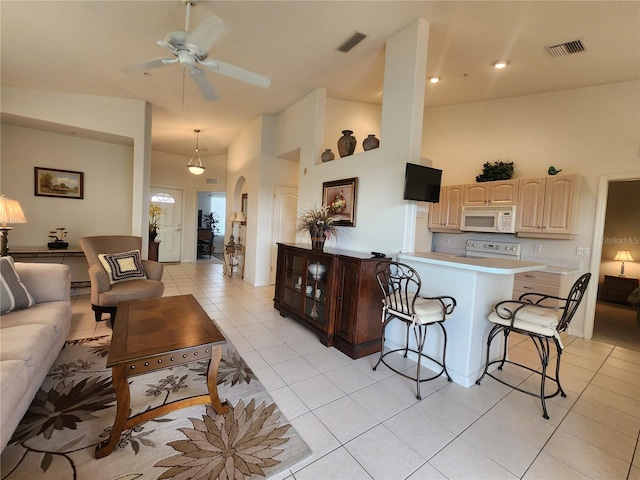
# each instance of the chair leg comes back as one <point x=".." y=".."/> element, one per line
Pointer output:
<point x="494" y="331"/>
<point x="542" y="346"/>
<point x="384" y="327"/>
<point x="444" y="351"/>
<point x="420" y="332"/>
<point x="99" y="311"/>
<point x="406" y="343"/>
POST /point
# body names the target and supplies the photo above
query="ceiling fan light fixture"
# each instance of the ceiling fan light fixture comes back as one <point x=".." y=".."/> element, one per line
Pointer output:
<point x="500" y="64"/>
<point x="195" y="164"/>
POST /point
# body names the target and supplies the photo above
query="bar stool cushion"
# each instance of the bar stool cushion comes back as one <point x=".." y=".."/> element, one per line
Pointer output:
<point x="538" y="320"/>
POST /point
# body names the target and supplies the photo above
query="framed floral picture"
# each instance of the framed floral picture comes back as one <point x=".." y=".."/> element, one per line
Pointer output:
<point x="340" y="196"/>
<point x="51" y="182"/>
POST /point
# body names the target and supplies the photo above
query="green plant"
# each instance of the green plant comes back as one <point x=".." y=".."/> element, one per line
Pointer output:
<point x="211" y="222"/>
<point x="496" y="171"/>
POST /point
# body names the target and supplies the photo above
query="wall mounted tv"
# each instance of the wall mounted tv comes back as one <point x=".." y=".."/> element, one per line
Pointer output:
<point x="422" y="183"/>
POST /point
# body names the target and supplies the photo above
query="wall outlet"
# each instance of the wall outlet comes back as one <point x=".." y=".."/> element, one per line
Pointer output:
<point x="582" y="251"/>
<point x="537" y="248"/>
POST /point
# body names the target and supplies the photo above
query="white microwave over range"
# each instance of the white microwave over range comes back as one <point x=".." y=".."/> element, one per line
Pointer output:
<point x="489" y="219"/>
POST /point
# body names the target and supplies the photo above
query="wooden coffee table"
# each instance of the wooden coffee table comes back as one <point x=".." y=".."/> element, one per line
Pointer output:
<point x="153" y="334"/>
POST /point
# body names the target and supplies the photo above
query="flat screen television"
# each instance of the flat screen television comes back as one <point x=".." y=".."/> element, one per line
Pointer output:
<point x="422" y="183"/>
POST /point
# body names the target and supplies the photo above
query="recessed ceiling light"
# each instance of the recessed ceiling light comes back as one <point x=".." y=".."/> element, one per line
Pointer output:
<point x="434" y="79"/>
<point x="500" y="64"/>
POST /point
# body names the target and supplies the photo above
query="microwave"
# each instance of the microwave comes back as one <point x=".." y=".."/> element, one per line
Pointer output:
<point x="488" y="219"/>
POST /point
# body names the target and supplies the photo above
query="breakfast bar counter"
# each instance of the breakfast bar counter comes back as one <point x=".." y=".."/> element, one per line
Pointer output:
<point x="477" y="284"/>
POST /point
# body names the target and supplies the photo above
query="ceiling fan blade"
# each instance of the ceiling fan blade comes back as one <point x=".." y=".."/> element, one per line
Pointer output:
<point x="166" y="46"/>
<point x="236" y="72"/>
<point x="208" y="32"/>
<point x="155" y="63"/>
<point x="201" y="80"/>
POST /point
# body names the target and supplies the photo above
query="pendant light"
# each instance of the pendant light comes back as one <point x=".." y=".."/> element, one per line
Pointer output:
<point x="195" y="164"/>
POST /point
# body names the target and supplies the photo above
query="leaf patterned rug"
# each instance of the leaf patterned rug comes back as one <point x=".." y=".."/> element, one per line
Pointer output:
<point x="75" y="408"/>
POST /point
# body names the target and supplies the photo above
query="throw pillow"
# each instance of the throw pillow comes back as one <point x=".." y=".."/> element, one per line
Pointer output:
<point x="13" y="294"/>
<point x="124" y="266"/>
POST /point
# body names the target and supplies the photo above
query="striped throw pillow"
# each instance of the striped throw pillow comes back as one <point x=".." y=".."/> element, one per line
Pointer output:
<point x="13" y="294"/>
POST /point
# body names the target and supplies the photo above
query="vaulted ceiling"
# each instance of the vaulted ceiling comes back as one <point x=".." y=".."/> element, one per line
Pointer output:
<point x="93" y="47"/>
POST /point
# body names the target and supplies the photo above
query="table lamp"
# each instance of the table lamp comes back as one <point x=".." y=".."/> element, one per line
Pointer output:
<point x="10" y="212"/>
<point x="623" y="256"/>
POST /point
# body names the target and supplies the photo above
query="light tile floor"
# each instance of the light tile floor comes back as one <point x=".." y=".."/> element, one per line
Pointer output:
<point x="365" y="424"/>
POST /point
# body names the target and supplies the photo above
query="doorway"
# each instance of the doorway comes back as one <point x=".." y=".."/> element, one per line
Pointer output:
<point x="212" y="203"/>
<point x="170" y="222"/>
<point x="283" y="222"/>
<point x="596" y="266"/>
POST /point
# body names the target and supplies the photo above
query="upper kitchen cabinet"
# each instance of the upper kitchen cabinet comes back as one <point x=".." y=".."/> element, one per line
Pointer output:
<point x="445" y="215"/>
<point x="498" y="193"/>
<point x="548" y="207"/>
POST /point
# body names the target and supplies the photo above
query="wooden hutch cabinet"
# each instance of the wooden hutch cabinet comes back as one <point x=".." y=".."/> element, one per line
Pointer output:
<point x="334" y="293"/>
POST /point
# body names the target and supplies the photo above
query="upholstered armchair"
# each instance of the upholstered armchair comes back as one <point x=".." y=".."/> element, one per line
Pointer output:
<point x="117" y="272"/>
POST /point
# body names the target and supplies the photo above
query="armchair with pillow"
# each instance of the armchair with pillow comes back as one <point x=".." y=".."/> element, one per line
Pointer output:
<point x="118" y="273"/>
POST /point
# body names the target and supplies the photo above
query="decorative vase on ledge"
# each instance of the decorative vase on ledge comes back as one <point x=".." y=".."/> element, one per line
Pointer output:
<point x="346" y="143"/>
<point x="370" y="142"/>
<point x="327" y="155"/>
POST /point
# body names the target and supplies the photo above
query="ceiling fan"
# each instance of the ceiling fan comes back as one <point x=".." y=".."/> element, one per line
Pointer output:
<point x="190" y="49"/>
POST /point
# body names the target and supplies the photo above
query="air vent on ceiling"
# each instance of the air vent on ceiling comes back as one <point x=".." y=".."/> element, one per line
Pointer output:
<point x="212" y="181"/>
<point x="567" y="48"/>
<point x="355" y="39"/>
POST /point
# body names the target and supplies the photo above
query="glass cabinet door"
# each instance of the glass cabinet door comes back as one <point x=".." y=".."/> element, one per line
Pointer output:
<point x="294" y="281"/>
<point x="316" y="282"/>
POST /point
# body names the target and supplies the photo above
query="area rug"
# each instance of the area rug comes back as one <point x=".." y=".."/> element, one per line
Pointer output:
<point x="75" y="408"/>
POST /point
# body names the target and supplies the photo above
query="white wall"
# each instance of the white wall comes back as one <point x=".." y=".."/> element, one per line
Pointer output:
<point x="108" y="185"/>
<point x="114" y="116"/>
<point x="591" y="131"/>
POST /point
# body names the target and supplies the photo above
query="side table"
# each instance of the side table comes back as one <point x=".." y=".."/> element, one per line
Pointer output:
<point x="617" y="289"/>
<point x="233" y="257"/>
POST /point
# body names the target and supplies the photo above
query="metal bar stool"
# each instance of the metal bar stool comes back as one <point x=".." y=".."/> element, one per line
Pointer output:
<point x="402" y="301"/>
<point x="534" y="316"/>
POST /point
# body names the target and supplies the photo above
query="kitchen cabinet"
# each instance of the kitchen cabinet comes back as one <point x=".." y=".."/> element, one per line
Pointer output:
<point x="340" y="301"/>
<point x="544" y="282"/>
<point x="548" y="207"/>
<point x="617" y="289"/>
<point x="445" y="215"/>
<point x="497" y="193"/>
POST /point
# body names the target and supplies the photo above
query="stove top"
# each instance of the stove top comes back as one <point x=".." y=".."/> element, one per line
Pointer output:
<point x="491" y="249"/>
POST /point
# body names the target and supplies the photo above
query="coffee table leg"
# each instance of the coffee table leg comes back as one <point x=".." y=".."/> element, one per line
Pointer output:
<point x="123" y="399"/>
<point x="212" y="381"/>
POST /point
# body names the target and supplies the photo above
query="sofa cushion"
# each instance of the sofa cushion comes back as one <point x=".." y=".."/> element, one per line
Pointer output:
<point x="13" y="294"/>
<point x="121" y="267"/>
<point x="49" y="313"/>
<point x="29" y="343"/>
<point x="14" y="385"/>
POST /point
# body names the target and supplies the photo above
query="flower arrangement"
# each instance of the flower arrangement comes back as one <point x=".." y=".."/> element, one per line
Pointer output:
<point x="155" y="212"/>
<point x="339" y="204"/>
<point x="318" y="222"/>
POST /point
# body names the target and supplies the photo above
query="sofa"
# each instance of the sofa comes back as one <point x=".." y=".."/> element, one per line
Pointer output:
<point x="30" y="338"/>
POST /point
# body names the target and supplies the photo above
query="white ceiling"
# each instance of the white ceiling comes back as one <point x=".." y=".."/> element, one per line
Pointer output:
<point x="91" y="46"/>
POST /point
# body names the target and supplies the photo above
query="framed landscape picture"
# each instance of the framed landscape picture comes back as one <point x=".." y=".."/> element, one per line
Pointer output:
<point x="50" y="182"/>
<point x="340" y="197"/>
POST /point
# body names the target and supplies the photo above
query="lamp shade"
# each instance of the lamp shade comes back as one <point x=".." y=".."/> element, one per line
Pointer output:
<point x="240" y="217"/>
<point x="623" y="256"/>
<point x="232" y="217"/>
<point x="10" y="211"/>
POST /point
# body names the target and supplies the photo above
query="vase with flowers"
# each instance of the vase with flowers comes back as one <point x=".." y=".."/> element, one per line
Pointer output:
<point x="155" y="211"/>
<point x="319" y="223"/>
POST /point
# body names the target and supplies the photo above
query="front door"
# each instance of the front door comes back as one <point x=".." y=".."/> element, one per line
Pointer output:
<point x="170" y="223"/>
<point x="283" y="227"/>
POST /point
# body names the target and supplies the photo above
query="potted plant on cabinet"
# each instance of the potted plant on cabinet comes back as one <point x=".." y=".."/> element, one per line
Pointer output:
<point x="319" y="223"/>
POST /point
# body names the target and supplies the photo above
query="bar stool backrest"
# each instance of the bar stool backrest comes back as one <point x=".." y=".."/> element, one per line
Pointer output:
<point x="400" y="286"/>
<point x="573" y="301"/>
